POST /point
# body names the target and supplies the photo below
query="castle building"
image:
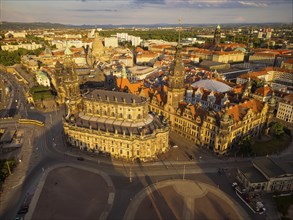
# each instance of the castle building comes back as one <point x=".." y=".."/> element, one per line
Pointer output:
<point x="118" y="124"/>
<point x="218" y="129"/>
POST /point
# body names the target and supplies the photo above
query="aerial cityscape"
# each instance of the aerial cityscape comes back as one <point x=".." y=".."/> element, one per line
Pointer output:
<point x="146" y="109"/>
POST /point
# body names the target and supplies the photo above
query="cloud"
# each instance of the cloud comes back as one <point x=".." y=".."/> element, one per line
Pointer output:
<point x="155" y="2"/>
<point x="93" y="10"/>
<point x="225" y="3"/>
<point x="253" y="4"/>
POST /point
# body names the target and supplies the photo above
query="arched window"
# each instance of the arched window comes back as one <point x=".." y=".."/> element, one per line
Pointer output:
<point x="129" y="116"/>
<point x="139" y="116"/>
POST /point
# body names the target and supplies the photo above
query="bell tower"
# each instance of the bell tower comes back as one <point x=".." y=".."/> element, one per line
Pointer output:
<point x="71" y="85"/>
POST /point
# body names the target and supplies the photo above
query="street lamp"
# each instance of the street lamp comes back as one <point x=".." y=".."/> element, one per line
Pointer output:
<point x="130" y="176"/>
<point x="183" y="177"/>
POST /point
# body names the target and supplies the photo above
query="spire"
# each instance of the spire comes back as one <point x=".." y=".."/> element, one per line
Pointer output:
<point x="179" y="29"/>
<point x="217" y="35"/>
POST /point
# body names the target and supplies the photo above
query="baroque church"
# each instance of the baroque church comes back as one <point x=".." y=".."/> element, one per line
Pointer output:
<point x="109" y="122"/>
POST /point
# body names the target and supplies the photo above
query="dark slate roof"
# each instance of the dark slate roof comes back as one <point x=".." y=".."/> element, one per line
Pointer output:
<point x="113" y="125"/>
<point x="268" y="167"/>
<point x="253" y="175"/>
<point x="111" y="95"/>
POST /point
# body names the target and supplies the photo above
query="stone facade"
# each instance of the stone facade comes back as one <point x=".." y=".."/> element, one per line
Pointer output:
<point x="118" y="124"/>
<point x="285" y="109"/>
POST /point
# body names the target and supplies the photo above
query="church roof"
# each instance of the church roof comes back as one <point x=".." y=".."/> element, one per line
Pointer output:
<point x="212" y="85"/>
<point x="112" y="96"/>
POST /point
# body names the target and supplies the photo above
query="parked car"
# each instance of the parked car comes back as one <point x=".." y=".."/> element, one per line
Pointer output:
<point x="234" y="185"/>
<point x="80" y="158"/>
<point x="23" y="210"/>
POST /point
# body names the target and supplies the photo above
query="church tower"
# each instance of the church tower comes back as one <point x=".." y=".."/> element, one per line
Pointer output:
<point x="217" y="36"/>
<point x="176" y="88"/>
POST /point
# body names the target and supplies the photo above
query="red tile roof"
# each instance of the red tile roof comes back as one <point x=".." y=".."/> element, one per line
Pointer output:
<point x="237" y="112"/>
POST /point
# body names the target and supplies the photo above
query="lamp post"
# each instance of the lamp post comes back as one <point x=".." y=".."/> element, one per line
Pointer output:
<point x="183" y="177"/>
<point x="130" y="176"/>
<point x="51" y="119"/>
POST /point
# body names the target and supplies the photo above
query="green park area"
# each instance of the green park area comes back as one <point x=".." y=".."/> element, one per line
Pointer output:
<point x="41" y="93"/>
<point x="277" y="140"/>
<point x="273" y="146"/>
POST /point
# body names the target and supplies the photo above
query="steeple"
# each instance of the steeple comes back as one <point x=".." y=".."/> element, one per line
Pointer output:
<point x="176" y="88"/>
<point x="176" y="77"/>
<point x="250" y="40"/>
<point x="217" y="35"/>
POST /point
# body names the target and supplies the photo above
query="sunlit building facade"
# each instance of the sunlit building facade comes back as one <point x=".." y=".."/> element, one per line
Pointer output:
<point x="216" y="130"/>
<point x="118" y="124"/>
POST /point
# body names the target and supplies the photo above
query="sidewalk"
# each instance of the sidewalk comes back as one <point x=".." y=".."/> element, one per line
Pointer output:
<point x="17" y="178"/>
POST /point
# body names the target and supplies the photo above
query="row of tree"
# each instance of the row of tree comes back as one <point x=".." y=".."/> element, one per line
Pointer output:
<point x="10" y="58"/>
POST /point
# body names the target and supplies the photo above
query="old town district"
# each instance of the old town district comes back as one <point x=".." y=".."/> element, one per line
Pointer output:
<point x="129" y="111"/>
<point x="119" y="123"/>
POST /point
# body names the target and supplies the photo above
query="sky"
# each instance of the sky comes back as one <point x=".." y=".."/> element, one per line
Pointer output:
<point x="123" y="12"/>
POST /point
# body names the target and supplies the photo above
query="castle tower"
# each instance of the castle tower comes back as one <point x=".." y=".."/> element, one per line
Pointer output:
<point x="217" y="36"/>
<point x="176" y="80"/>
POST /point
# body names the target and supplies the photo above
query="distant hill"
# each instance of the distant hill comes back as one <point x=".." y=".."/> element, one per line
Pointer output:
<point x="47" y="25"/>
<point x="37" y="25"/>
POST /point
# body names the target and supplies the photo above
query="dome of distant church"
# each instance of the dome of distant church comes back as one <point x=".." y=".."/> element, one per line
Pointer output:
<point x="97" y="45"/>
<point x="212" y="85"/>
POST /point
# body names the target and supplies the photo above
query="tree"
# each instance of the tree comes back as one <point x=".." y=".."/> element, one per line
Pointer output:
<point x="245" y="145"/>
<point x="278" y="128"/>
